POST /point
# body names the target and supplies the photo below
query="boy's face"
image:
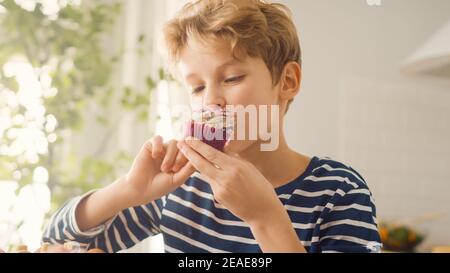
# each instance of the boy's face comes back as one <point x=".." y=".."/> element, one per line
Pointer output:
<point x="214" y="78"/>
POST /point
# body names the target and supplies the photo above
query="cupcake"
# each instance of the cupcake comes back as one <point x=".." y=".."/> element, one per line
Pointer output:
<point x="212" y="126"/>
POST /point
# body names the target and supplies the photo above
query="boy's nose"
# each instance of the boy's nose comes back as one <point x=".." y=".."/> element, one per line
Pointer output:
<point x="214" y="100"/>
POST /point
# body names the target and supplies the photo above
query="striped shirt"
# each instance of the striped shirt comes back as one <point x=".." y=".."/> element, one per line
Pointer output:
<point x="330" y="206"/>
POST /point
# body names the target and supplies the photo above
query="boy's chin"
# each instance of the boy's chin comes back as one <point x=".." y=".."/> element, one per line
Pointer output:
<point x="238" y="146"/>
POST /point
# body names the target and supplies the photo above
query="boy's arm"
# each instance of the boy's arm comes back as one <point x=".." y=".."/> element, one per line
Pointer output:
<point x="276" y="233"/>
<point x="350" y="226"/>
<point x="121" y="231"/>
<point x="102" y="205"/>
<point x="245" y="192"/>
<point x="157" y="170"/>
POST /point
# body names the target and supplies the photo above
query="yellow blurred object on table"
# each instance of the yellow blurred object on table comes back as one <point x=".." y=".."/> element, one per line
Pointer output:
<point x="440" y="249"/>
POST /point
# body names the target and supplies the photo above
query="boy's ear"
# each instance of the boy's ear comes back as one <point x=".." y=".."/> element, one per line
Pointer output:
<point x="290" y="81"/>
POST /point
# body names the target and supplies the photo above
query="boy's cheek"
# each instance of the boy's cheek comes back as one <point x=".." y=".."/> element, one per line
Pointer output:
<point x="250" y="96"/>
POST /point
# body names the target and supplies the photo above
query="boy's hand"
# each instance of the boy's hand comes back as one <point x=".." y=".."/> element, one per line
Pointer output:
<point x="158" y="169"/>
<point x="236" y="183"/>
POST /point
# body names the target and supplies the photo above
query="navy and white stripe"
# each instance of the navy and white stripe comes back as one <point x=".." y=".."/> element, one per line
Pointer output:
<point x="330" y="205"/>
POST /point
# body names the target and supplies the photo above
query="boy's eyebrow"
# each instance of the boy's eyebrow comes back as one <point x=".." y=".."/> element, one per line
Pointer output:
<point x="225" y="64"/>
<point x="228" y="63"/>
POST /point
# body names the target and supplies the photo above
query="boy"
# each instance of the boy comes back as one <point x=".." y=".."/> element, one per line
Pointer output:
<point x="228" y="52"/>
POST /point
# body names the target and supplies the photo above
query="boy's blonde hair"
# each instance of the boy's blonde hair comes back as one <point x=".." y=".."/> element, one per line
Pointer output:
<point x="253" y="27"/>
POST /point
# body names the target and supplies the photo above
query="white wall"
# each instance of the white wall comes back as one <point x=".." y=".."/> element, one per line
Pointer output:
<point x="356" y="106"/>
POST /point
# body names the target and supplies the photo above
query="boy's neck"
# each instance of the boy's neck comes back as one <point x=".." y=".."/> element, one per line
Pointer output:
<point x="280" y="166"/>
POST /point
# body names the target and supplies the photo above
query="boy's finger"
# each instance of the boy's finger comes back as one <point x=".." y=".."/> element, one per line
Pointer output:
<point x="157" y="147"/>
<point x="147" y="147"/>
<point x="180" y="161"/>
<point x="183" y="174"/>
<point x="144" y="156"/>
<point x="170" y="156"/>
<point x="212" y="155"/>
<point x="199" y="162"/>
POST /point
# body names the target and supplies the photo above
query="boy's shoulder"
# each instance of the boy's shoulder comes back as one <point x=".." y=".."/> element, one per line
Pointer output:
<point x="327" y="169"/>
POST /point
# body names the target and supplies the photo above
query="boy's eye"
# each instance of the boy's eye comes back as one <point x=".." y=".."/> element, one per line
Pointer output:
<point x="197" y="89"/>
<point x="235" y="79"/>
<point x="231" y="80"/>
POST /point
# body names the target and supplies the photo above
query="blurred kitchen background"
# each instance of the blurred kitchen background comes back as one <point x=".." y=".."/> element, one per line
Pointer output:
<point x="83" y="85"/>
